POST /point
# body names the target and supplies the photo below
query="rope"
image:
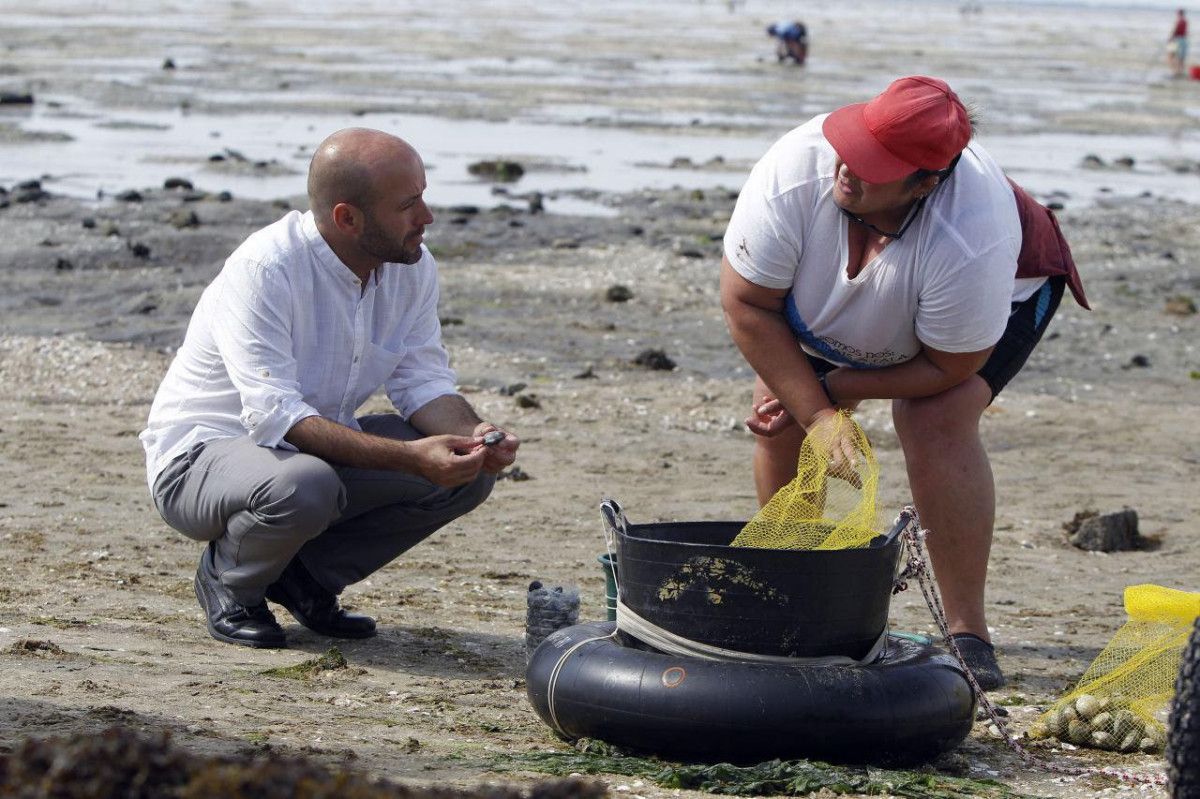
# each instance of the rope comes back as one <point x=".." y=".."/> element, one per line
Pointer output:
<point x="663" y="640"/>
<point x="918" y="568"/>
<point x="552" y="685"/>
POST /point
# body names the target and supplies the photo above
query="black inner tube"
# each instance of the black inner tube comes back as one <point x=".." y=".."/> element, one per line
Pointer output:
<point x="1183" y="737"/>
<point x="911" y="705"/>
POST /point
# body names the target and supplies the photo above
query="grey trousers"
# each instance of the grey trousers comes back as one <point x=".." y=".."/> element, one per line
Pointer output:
<point x="261" y="507"/>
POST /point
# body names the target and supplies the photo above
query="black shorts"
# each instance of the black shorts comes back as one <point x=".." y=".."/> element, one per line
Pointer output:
<point x="1027" y="322"/>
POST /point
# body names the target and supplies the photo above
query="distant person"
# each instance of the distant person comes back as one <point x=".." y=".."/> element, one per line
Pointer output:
<point x="877" y="253"/>
<point x="252" y="444"/>
<point x="1177" y="48"/>
<point x="791" y="41"/>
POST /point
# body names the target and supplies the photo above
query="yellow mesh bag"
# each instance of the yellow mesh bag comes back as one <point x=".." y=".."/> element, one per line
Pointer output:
<point x="1122" y="700"/>
<point x="820" y="508"/>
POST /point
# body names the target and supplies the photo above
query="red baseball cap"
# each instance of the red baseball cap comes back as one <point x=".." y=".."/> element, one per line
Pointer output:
<point x="917" y="123"/>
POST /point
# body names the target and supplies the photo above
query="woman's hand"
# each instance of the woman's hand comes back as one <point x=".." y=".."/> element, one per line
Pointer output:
<point x="769" y="418"/>
<point x="832" y="433"/>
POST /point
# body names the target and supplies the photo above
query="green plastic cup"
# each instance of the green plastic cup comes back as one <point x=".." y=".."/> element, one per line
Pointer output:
<point x="610" y="586"/>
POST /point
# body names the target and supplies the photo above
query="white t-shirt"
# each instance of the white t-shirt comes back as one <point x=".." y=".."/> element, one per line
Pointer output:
<point x="287" y="331"/>
<point x="948" y="283"/>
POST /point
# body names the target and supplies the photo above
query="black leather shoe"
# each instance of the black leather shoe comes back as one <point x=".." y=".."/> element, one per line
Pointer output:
<point x="314" y="607"/>
<point x="232" y="622"/>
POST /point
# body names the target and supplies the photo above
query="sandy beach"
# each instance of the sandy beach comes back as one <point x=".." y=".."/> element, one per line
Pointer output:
<point x="98" y="623"/>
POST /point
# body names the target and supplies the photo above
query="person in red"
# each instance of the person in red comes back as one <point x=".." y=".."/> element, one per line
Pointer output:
<point x="1177" y="50"/>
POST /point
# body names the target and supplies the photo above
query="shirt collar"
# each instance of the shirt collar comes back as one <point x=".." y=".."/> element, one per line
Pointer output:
<point x="324" y="254"/>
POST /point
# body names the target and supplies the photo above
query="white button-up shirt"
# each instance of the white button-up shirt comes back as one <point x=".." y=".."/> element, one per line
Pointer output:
<point x="287" y="331"/>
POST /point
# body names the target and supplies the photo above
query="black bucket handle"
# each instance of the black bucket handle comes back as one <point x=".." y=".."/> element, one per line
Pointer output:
<point x="614" y="517"/>
<point x="901" y="524"/>
<point x="905" y="563"/>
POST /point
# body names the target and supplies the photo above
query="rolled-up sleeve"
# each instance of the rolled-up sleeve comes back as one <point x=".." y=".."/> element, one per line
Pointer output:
<point x="424" y="373"/>
<point x="254" y="336"/>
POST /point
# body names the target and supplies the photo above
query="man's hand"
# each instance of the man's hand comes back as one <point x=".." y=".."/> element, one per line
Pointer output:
<point x="448" y="461"/>
<point x="769" y="418"/>
<point x="500" y="454"/>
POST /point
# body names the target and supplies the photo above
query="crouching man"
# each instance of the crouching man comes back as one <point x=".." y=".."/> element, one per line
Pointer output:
<point x="252" y="444"/>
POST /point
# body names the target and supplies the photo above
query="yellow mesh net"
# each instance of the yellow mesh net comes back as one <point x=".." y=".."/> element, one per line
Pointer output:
<point x="831" y="502"/>
<point x="1122" y="700"/>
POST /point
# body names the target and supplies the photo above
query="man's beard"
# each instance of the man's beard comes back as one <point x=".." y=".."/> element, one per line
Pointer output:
<point x="378" y="245"/>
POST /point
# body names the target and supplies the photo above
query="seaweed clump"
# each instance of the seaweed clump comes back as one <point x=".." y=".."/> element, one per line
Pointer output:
<point x="120" y="762"/>
<point x="771" y="778"/>
<point x="331" y="660"/>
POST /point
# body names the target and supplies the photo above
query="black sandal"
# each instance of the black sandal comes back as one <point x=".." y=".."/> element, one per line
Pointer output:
<point x="980" y="657"/>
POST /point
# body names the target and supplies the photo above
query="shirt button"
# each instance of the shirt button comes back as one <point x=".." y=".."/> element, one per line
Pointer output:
<point x="356" y="359"/>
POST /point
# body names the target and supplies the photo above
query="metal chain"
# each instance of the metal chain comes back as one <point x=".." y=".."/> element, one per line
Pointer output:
<point x="918" y="567"/>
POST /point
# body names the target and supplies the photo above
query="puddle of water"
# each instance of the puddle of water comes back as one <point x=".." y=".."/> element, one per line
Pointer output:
<point x="1049" y="162"/>
<point x="142" y="148"/>
<point x="137" y="149"/>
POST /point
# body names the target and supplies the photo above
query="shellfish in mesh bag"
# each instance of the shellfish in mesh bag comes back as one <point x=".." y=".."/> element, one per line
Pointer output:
<point x="1122" y="701"/>
<point x="830" y="504"/>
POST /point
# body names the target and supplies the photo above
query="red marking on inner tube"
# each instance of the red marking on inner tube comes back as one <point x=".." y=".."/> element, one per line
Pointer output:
<point x="674" y="677"/>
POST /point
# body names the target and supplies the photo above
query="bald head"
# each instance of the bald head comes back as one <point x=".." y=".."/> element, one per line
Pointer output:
<point x="349" y="166"/>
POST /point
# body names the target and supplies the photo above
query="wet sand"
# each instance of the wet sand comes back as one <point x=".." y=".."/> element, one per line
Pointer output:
<point x="1100" y="418"/>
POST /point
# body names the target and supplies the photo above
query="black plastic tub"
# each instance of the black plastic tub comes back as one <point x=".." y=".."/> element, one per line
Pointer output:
<point x="685" y="578"/>
<point x="908" y="706"/>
